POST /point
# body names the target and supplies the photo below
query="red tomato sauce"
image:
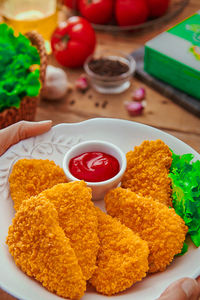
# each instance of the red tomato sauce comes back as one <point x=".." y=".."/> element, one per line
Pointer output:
<point x="94" y="166"/>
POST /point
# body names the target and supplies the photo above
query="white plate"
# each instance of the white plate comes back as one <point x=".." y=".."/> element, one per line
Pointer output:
<point x="53" y="146"/>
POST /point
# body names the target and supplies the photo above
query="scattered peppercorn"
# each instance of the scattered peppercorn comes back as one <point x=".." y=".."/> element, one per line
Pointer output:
<point x="72" y="102"/>
<point x="104" y="104"/>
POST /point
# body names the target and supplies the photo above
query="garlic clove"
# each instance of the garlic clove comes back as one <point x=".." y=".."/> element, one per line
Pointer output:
<point x="56" y="83"/>
<point x="139" y="94"/>
<point x="134" y="108"/>
<point x="82" y="83"/>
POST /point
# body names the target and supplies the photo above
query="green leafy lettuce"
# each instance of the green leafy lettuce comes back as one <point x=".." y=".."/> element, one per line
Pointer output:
<point x="17" y="55"/>
<point x="185" y="176"/>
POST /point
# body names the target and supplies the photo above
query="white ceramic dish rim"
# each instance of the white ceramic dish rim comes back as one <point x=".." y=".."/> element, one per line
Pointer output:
<point x="170" y="140"/>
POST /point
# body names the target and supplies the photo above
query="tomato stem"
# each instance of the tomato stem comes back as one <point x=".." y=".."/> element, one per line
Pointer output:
<point x="65" y="38"/>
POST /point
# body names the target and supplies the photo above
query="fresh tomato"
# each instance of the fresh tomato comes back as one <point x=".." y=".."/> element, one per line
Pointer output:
<point x="71" y="3"/>
<point x="157" y="8"/>
<point x="131" y="12"/>
<point x="73" y="41"/>
<point x="97" y="11"/>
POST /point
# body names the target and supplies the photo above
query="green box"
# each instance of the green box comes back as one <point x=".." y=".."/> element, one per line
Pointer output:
<point x="174" y="56"/>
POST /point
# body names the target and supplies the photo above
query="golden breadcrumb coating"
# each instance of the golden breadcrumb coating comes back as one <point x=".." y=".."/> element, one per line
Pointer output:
<point x="157" y="224"/>
<point x="77" y="217"/>
<point x="122" y="258"/>
<point x="41" y="249"/>
<point x="29" y="177"/>
<point x="147" y="171"/>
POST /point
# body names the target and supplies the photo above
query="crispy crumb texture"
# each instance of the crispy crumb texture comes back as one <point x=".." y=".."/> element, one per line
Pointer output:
<point x="41" y="249"/>
<point x="29" y="177"/>
<point x="157" y="224"/>
<point x="122" y="258"/>
<point x="77" y="217"/>
<point x="147" y="171"/>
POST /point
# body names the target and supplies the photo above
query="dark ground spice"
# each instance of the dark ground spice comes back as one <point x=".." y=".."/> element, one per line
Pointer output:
<point x="108" y="67"/>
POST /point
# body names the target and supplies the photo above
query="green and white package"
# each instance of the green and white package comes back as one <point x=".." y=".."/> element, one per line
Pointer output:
<point x="174" y="56"/>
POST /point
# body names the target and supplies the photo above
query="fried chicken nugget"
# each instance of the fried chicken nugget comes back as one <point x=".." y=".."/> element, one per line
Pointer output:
<point x="41" y="249"/>
<point x="122" y="258"/>
<point x="147" y="171"/>
<point x="157" y="224"/>
<point x="77" y="217"/>
<point x="29" y="177"/>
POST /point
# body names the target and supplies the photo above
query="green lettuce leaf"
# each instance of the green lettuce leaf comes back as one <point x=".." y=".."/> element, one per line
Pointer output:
<point x="16" y="80"/>
<point x="184" y="250"/>
<point x="185" y="176"/>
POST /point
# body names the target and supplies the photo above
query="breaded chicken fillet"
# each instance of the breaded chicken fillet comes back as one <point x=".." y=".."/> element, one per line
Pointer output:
<point x="147" y="171"/>
<point x="41" y="249"/>
<point x="29" y="177"/>
<point x="77" y="217"/>
<point x="122" y="258"/>
<point x="157" y="224"/>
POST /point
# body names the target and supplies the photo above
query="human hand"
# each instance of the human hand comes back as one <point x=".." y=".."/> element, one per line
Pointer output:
<point x="19" y="131"/>
<point x="182" y="289"/>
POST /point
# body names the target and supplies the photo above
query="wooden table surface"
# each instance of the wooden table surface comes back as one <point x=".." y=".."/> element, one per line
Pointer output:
<point x="160" y="112"/>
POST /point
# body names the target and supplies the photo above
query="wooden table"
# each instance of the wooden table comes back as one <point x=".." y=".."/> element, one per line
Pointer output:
<point x="160" y="112"/>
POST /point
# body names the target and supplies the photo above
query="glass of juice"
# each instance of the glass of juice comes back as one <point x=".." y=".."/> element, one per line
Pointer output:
<point x="27" y="15"/>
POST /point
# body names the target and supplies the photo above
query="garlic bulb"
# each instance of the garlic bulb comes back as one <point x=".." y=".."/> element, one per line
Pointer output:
<point x="56" y="83"/>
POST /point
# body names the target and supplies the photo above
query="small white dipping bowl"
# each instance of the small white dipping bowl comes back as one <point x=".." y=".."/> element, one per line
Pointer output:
<point x="99" y="189"/>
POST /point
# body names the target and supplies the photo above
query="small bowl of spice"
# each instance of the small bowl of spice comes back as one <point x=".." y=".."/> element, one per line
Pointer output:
<point x="110" y="71"/>
<point x="100" y="164"/>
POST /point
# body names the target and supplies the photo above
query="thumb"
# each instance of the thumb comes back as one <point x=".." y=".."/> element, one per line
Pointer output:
<point x="13" y="134"/>
<point x="182" y="289"/>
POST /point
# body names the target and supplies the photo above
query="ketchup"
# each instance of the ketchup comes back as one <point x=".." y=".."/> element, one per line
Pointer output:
<point x="94" y="166"/>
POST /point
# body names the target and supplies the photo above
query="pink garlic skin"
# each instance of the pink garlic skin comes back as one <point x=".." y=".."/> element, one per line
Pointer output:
<point x="139" y="94"/>
<point x="134" y="108"/>
<point x="82" y="83"/>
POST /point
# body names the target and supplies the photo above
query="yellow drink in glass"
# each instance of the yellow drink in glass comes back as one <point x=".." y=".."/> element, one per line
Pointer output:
<point x="27" y="15"/>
